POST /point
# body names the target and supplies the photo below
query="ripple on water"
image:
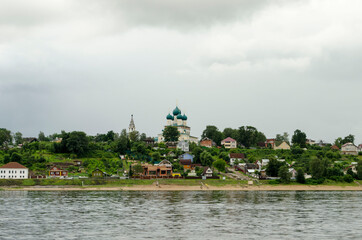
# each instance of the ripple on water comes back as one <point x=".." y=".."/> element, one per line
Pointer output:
<point x="180" y="215"/>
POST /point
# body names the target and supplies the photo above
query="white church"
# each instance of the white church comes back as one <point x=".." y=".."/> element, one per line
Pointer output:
<point x="180" y="121"/>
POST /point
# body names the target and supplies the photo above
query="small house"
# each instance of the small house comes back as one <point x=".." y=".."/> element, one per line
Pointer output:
<point x="349" y="149"/>
<point x="310" y="142"/>
<point x="359" y="148"/>
<point x="97" y="173"/>
<point x="187" y="156"/>
<point x="229" y="143"/>
<point x="207" y="172"/>
<point x="77" y="162"/>
<point x="284" y="146"/>
<point x="270" y="142"/>
<point x="207" y="142"/>
<point x="334" y="147"/>
<point x="57" y="172"/>
<point x="183" y="146"/>
<point x="186" y="163"/>
<point x="236" y="157"/>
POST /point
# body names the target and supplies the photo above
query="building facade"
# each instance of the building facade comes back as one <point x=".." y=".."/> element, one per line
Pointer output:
<point x="183" y="146"/>
<point x="207" y="142"/>
<point x="14" y="170"/>
<point x="283" y="146"/>
<point x="57" y="172"/>
<point x="236" y="157"/>
<point x="229" y="143"/>
<point x="349" y="149"/>
<point x="180" y="121"/>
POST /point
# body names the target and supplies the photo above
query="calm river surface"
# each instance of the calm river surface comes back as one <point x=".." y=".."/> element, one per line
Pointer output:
<point x="180" y="215"/>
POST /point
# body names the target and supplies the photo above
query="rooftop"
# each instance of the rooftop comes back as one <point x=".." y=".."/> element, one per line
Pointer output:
<point x="229" y="139"/>
<point x="13" y="165"/>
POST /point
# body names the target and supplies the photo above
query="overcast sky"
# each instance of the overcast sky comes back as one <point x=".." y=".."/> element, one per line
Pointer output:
<point x="88" y="65"/>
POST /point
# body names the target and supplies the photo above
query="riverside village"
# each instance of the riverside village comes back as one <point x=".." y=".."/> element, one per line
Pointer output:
<point x="237" y="155"/>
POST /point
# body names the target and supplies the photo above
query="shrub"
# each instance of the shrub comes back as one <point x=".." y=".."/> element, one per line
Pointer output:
<point x="300" y="176"/>
<point x="348" y="178"/>
<point x="28" y="182"/>
<point x="220" y="165"/>
<point x="284" y="174"/>
<point x="275" y="181"/>
<point x="312" y="181"/>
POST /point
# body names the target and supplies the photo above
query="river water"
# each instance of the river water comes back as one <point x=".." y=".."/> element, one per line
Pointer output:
<point x="180" y="215"/>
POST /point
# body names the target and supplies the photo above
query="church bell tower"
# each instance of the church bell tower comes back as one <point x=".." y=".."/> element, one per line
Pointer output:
<point x="132" y="126"/>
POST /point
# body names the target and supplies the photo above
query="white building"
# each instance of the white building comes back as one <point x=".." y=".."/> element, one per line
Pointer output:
<point x="180" y="121"/>
<point x="13" y="170"/>
<point x="183" y="146"/>
<point x="229" y="143"/>
<point x="349" y="149"/>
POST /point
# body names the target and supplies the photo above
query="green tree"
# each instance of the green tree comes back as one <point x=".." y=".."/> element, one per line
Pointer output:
<point x="318" y="168"/>
<point x="110" y="136"/>
<point x="7" y="158"/>
<point x="249" y="136"/>
<point x="229" y="132"/>
<point x="225" y="156"/>
<point x="122" y="144"/>
<point x="206" y="158"/>
<point x="300" y="176"/>
<point x="16" y="157"/>
<point x="213" y="133"/>
<point x="134" y="136"/>
<point x="197" y="154"/>
<point x="171" y="134"/>
<point x="350" y="172"/>
<point x="137" y="169"/>
<point x="348" y="139"/>
<point x="5" y="137"/>
<point x="18" y="137"/>
<point x="139" y="147"/>
<point x="338" y="142"/>
<point x="143" y="137"/>
<point x="282" y="138"/>
<point x="77" y="142"/>
<point x="41" y="137"/>
<point x="199" y="171"/>
<point x="284" y="174"/>
<point x="156" y="156"/>
<point x="220" y="164"/>
<point x="272" y="168"/>
<point x="299" y="138"/>
<point x="359" y="170"/>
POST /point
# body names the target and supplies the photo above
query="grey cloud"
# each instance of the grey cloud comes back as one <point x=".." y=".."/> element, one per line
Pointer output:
<point x="183" y="14"/>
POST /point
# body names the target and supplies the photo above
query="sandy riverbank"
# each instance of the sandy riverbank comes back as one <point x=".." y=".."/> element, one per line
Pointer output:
<point x="192" y="188"/>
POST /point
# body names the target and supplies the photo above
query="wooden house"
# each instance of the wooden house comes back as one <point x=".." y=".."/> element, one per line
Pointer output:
<point x="97" y="173"/>
<point x="57" y="172"/>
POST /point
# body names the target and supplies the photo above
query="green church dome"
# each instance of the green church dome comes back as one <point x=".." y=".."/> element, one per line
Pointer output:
<point x="184" y="117"/>
<point x="176" y="111"/>
<point x="169" y="117"/>
<point x="180" y="117"/>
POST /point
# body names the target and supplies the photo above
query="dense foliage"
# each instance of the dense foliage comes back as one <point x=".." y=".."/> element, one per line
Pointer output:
<point x="108" y="152"/>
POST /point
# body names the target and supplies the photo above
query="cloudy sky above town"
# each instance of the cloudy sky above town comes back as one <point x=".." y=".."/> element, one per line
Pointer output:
<point x="88" y="65"/>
